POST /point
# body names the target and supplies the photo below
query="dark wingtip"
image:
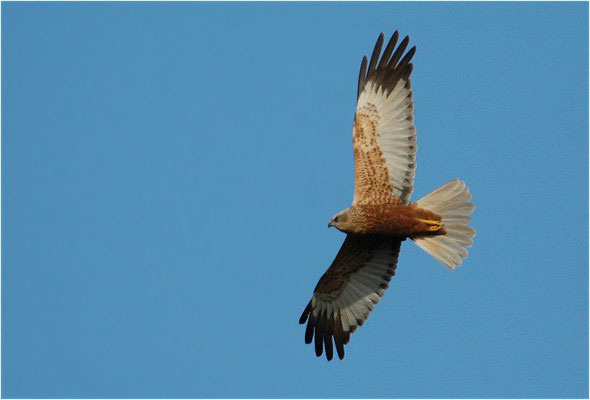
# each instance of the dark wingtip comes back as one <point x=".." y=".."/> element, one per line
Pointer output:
<point x="399" y="52"/>
<point x="328" y="339"/>
<point x="362" y="76"/>
<point x="407" y="58"/>
<point x="339" y="349"/>
<point x="328" y="346"/>
<point x="346" y="337"/>
<point x="309" y="332"/>
<point x="386" y="69"/>
<point x="376" y="54"/>
<point x="388" y="51"/>
<point x="319" y="341"/>
<point x="305" y="314"/>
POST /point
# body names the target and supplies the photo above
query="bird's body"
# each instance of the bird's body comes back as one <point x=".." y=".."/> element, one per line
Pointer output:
<point x="381" y="215"/>
<point x="392" y="219"/>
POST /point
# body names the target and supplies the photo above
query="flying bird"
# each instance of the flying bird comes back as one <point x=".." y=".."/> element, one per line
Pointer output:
<point x="381" y="215"/>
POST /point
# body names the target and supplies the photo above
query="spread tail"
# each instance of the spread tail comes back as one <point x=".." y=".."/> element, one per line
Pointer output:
<point x="452" y="202"/>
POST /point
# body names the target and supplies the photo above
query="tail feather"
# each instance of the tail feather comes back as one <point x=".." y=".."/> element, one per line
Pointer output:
<point x="452" y="202"/>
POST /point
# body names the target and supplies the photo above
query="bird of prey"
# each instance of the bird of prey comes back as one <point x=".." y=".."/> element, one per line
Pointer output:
<point x="381" y="215"/>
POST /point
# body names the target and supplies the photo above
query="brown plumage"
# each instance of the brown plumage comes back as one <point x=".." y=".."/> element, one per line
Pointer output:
<point x="390" y="218"/>
<point x="381" y="216"/>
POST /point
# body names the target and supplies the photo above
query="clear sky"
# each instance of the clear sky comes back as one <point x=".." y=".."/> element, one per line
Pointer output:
<point x="169" y="170"/>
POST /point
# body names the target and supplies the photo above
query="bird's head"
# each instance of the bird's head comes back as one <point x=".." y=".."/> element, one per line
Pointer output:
<point x="341" y="221"/>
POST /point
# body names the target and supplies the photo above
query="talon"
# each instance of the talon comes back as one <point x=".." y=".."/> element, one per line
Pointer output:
<point x="433" y="225"/>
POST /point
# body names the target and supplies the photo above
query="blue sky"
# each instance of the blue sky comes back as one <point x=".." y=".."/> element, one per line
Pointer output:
<point x="168" y="171"/>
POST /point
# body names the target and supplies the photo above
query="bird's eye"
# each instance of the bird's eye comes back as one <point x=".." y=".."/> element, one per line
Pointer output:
<point x="336" y="219"/>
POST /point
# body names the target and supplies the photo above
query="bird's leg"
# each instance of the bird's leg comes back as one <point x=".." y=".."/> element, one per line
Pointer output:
<point x="431" y="225"/>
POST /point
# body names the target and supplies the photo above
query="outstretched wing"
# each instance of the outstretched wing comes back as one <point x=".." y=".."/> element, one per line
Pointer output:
<point x="384" y="137"/>
<point x="349" y="290"/>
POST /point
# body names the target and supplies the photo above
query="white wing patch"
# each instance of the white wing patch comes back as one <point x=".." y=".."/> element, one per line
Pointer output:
<point x="392" y="114"/>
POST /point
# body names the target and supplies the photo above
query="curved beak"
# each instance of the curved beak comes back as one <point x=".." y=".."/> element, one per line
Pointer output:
<point x="330" y="224"/>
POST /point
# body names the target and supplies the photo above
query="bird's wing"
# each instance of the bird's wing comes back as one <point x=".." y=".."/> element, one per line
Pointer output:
<point x="349" y="290"/>
<point x="384" y="136"/>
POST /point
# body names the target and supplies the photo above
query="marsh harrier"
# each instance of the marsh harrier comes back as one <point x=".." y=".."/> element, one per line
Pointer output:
<point x="381" y="215"/>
